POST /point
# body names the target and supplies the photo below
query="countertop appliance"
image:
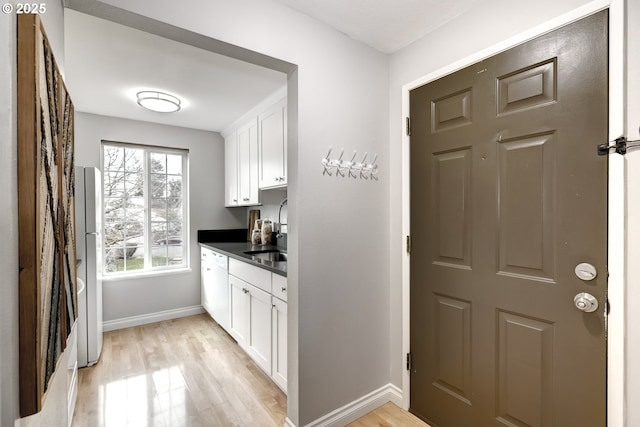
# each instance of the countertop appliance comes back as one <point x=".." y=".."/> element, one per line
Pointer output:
<point x="215" y="285"/>
<point x="89" y="252"/>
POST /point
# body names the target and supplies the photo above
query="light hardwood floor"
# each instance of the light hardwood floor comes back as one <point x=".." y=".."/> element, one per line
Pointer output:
<point x="188" y="372"/>
<point x="388" y="415"/>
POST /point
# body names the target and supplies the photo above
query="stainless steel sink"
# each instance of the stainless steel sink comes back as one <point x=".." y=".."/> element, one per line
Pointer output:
<point x="272" y="255"/>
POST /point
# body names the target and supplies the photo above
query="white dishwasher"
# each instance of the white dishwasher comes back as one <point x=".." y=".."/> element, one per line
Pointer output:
<point x="215" y="285"/>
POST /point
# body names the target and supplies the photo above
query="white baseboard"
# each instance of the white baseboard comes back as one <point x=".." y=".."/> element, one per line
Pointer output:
<point x="144" y="319"/>
<point x="356" y="409"/>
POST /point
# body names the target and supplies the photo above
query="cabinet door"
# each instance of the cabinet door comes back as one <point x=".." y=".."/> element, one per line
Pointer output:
<point x="239" y="310"/>
<point x="231" y="170"/>
<point x="259" y="339"/>
<point x="279" y="343"/>
<point x="247" y="138"/>
<point x="273" y="146"/>
<point x="205" y="286"/>
<point x="206" y="259"/>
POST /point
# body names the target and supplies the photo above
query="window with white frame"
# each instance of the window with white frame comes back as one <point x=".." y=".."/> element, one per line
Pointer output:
<point x="145" y="209"/>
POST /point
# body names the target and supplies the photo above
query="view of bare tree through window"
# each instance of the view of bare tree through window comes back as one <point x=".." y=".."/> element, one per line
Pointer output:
<point x="143" y="208"/>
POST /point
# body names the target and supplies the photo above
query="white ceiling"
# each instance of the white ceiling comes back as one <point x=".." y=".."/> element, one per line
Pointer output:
<point x="107" y="63"/>
<point x="387" y="25"/>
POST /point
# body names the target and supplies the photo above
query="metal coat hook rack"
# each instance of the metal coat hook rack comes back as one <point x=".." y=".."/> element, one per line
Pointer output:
<point x="350" y="168"/>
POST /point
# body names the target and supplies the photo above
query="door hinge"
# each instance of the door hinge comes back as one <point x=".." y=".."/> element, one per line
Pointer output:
<point x="408" y="126"/>
<point x="409" y="244"/>
<point x="409" y="362"/>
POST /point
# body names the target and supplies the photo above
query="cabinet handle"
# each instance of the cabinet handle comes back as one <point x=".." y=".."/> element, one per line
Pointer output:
<point x="273" y="306"/>
<point x="284" y="289"/>
<point x="235" y="200"/>
<point x="208" y="269"/>
<point x="246" y="200"/>
<point x="245" y="290"/>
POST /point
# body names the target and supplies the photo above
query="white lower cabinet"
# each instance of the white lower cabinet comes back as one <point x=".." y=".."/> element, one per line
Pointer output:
<point x="258" y="318"/>
<point x="259" y="339"/>
<point x="279" y="342"/>
<point x="251" y="321"/>
<point x="238" y="311"/>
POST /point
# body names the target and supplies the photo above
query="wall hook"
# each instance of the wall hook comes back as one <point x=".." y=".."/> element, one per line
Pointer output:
<point x="350" y="168"/>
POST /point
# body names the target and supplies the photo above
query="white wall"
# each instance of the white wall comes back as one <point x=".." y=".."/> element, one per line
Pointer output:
<point x="8" y="224"/>
<point x="340" y="271"/>
<point x="125" y="298"/>
<point x="632" y="390"/>
<point x="53" y="22"/>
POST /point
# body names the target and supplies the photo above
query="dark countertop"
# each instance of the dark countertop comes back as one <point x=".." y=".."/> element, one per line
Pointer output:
<point x="236" y="250"/>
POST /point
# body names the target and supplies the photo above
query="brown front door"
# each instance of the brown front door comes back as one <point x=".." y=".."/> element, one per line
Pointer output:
<point x="508" y="196"/>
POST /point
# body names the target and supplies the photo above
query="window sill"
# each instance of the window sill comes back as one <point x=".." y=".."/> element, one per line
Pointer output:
<point x="132" y="276"/>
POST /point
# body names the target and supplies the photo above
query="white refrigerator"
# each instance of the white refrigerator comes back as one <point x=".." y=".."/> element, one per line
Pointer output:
<point x="89" y="252"/>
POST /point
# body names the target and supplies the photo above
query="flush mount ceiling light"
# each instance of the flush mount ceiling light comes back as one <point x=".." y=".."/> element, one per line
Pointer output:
<point x="158" y="101"/>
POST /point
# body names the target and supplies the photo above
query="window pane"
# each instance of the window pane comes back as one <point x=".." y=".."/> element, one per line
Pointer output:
<point x="175" y="254"/>
<point x="134" y="209"/>
<point x="158" y="185"/>
<point x="158" y="209"/>
<point x="113" y="233"/>
<point x="174" y="231"/>
<point x="158" y="163"/>
<point x="114" y="184"/>
<point x="134" y="184"/>
<point x="134" y="234"/>
<point x="174" y="186"/>
<point x="133" y="160"/>
<point x="159" y="261"/>
<point x="174" y="164"/>
<point x="158" y="233"/>
<point x="174" y="209"/>
<point x="111" y="261"/>
<point x="113" y="209"/>
<point x="134" y="263"/>
<point x="113" y="158"/>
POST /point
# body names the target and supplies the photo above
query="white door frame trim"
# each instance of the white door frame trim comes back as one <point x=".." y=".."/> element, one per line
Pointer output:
<point x="616" y="410"/>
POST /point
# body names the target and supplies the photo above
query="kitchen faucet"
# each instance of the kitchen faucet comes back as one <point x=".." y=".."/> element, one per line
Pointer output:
<point x="280" y="224"/>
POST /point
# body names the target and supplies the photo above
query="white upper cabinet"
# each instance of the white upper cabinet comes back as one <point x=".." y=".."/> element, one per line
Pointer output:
<point x="248" y="164"/>
<point x="272" y="128"/>
<point x="241" y="166"/>
<point x="256" y="156"/>
<point x="231" y="170"/>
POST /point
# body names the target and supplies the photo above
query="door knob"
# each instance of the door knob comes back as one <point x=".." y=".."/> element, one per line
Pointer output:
<point x="585" y="302"/>
<point x="586" y="271"/>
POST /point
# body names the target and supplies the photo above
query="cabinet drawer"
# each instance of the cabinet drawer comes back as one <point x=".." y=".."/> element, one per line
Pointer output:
<point x="251" y="274"/>
<point x="279" y="287"/>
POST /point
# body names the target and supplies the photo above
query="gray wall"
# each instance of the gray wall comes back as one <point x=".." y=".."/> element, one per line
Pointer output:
<point x="121" y="297"/>
<point x="8" y="224"/>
